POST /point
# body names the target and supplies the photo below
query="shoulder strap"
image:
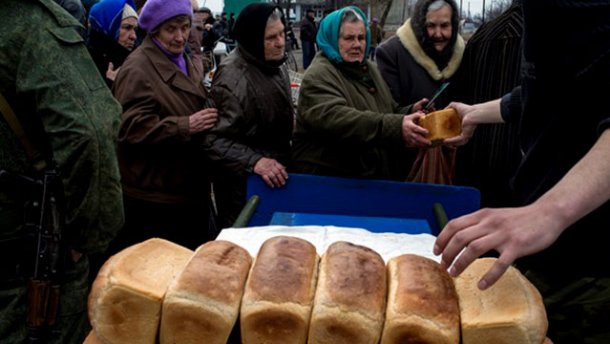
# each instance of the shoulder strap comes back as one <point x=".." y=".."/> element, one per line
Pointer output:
<point x="37" y="160"/>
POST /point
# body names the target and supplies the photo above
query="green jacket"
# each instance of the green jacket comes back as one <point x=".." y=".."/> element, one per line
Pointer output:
<point x="347" y="128"/>
<point x="50" y="81"/>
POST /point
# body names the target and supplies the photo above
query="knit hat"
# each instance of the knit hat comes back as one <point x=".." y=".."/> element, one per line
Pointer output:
<point x="155" y="12"/>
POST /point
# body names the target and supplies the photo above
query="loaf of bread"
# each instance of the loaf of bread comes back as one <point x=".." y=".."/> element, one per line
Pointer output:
<point x="127" y="294"/>
<point x="442" y="124"/>
<point x="510" y="311"/>
<point x="202" y="303"/>
<point x="349" y="304"/>
<point x="92" y="338"/>
<point x="422" y="303"/>
<point x="278" y="298"/>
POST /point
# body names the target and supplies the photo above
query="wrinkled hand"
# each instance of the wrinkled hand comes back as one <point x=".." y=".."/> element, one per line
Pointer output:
<point x="413" y="134"/>
<point x="111" y="72"/>
<point x="512" y="232"/>
<point x="203" y="120"/>
<point x="468" y="126"/>
<point x="419" y="106"/>
<point x="273" y="173"/>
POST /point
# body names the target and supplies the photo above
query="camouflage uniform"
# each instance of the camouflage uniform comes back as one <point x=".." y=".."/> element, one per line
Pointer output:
<point x="50" y="81"/>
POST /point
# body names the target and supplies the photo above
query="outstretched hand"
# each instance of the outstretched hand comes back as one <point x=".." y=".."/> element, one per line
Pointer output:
<point x="512" y="232"/>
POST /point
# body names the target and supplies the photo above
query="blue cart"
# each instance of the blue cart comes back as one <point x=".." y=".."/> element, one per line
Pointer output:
<point x="376" y="205"/>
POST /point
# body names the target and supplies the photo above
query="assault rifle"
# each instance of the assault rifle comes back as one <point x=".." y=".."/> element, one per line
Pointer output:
<point x="45" y="219"/>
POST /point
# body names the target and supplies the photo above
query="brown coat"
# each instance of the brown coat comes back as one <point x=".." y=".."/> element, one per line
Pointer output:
<point x="157" y="155"/>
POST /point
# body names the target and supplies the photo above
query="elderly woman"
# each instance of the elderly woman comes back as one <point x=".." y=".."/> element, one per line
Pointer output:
<point x="166" y="114"/>
<point x="347" y="123"/>
<point x="256" y="115"/>
<point x="112" y="35"/>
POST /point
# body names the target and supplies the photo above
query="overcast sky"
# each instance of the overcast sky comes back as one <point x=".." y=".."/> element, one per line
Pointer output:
<point x="214" y="5"/>
<point x="475" y="6"/>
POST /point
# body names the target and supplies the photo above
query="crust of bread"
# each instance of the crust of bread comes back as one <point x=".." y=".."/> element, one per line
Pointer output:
<point x="349" y="303"/>
<point x="202" y="303"/>
<point x="127" y="294"/>
<point x="510" y="311"/>
<point x="278" y="297"/>
<point x="442" y="124"/>
<point x="422" y="303"/>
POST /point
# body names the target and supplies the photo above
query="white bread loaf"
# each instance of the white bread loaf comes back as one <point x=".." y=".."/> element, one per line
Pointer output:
<point x="202" y="303"/>
<point x="422" y="303"/>
<point x="442" y="124"/>
<point x="126" y="296"/>
<point x="510" y="311"/>
<point x="349" y="303"/>
<point x="278" y="298"/>
<point x="92" y="338"/>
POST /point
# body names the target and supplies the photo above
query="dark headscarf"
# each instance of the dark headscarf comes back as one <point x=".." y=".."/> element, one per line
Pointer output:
<point x="249" y="29"/>
<point x="418" y="23"/>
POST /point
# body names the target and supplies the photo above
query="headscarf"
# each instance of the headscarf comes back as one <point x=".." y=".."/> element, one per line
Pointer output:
<point x="328" y="34"/>
<point x="250" y="25"/>
<point x="106" y="16"/>
<point x="418" y="24"/>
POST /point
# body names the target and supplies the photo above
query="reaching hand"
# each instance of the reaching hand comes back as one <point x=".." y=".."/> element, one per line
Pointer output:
<point x="111" y="72"/>
<point x="203" y="120"/>
<point x="273" y="173"/>
<point x="413" y="134"/>
<point x="512" y="232"/>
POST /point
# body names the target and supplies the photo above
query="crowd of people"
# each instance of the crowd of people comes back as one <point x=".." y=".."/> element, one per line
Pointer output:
<point x="144" y="149"/>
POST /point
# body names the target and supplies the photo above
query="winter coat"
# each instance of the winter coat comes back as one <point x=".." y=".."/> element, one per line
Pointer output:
<point x="409" y="72"/>
<point x="65" y="97"/>
<point x="308" y="30"/>
<point x="256" y="113"/>
<point x="157" y="154"/>
<point x="345" y="128"/>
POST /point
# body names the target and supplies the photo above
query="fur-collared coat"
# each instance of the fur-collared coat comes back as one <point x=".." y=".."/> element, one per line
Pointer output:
<point x="409" y="72"/>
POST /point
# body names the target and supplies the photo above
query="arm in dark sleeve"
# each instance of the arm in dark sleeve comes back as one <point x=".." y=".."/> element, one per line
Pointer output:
<point x="224" y="144"/>
<point x="141" y="121"/>
<point x="510" y="106"/>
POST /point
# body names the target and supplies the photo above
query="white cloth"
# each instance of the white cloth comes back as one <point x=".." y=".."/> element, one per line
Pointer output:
<point x="388" y="245"/>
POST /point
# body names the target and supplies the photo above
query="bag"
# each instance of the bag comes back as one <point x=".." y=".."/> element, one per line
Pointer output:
<point x="434" y="165"/>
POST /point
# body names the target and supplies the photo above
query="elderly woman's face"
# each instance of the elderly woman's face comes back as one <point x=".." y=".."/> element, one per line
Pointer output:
<point x="275" y="41"/>
<point x="127" y="32"/>
<point x="439" y="28"/>
<point x="173" y="35"/>
<point x="352" y="41"/>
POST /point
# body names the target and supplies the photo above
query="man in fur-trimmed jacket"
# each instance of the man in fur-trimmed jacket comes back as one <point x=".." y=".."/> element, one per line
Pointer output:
<point x="426" y="51"/>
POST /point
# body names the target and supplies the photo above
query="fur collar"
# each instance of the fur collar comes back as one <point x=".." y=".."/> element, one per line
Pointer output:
<point x="409" y="41"/>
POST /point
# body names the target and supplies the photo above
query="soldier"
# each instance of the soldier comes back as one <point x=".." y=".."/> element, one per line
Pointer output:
<point x="67" y="112"/>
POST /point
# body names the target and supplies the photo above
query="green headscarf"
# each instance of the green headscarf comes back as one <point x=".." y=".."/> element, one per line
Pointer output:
<point x="328" y="34"/>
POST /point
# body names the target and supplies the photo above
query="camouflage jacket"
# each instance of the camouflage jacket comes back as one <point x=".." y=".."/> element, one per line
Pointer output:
<point x="53" y="86"/>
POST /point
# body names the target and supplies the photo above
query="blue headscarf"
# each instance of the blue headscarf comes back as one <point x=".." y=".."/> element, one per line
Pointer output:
<point x="106" y="16"/>
<point x="328" y="34"/>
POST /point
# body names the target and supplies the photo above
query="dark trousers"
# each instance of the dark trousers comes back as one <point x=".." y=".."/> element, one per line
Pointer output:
<point x="309" y="52"/>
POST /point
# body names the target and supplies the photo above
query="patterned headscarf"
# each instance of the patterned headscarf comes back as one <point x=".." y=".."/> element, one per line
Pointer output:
<point x="328" y="34"/>
<point x="106" y="16"/>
